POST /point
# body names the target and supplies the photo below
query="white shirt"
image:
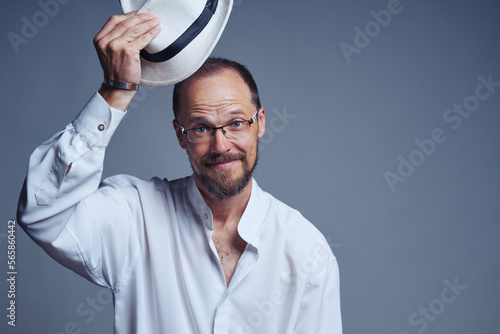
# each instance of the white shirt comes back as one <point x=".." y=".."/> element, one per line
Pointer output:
<point x="150" y="243"/>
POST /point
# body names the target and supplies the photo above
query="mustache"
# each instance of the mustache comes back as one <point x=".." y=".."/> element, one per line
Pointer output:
<point x="220" y="158"/>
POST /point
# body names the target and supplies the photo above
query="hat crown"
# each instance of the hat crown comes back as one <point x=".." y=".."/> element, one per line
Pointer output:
<point x="176" y="17"/>
<point x="189" y="32"/>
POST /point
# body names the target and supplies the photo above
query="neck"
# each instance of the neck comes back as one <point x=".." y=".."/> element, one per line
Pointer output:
<point x="229" y="210"/>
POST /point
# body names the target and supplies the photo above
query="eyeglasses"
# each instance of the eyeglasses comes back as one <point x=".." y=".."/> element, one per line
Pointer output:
<point x="232" y="130"/>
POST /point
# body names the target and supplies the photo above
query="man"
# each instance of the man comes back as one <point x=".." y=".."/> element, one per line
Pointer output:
<point x="210" y="253"/>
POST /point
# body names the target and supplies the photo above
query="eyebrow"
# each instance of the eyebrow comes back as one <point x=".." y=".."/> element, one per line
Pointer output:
<point x="203" y="119"/>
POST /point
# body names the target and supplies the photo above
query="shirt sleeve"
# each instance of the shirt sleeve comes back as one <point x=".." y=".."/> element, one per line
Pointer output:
<point x="320" y="307"/>
<point x="63" y="175"/>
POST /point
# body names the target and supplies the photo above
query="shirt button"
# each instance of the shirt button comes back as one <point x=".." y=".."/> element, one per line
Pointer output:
<point x="205" y="216"/>
<point x="101" y="127"/>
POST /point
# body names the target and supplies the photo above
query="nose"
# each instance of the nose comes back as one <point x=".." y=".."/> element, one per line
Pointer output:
<point x="219" y="143"/>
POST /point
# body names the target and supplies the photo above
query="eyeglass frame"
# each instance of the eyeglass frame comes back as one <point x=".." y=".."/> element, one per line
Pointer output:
<point x="249" y="121"/>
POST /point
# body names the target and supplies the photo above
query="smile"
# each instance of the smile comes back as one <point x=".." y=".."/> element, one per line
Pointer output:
<point x="224" y="164"/>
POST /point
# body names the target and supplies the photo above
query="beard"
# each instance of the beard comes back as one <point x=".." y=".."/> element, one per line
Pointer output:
<point x="224" y="184"/>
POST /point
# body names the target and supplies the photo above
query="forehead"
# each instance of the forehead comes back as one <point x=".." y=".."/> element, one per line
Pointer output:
<point x="224" y="91"/>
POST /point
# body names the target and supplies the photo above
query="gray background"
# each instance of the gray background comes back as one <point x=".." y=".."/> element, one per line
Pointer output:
<point x="347" y="124"/>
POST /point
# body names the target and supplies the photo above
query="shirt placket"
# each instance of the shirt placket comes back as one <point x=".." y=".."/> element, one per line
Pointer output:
<point x="245" y="264"/>
<point x="225" y="309"/>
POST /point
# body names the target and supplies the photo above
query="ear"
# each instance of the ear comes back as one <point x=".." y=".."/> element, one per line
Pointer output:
<point x="262" y="121"/>
<point x="180" y="135"/>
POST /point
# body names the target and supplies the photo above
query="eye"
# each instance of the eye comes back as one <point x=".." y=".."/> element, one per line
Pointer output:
<point x="200" y="130"/>
<point x="236" y="125"/>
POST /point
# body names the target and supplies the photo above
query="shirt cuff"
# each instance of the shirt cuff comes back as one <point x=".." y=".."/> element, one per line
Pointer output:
<point x="97" y="121"/>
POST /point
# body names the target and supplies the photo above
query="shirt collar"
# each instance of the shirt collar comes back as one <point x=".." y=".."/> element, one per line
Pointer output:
<point x="251" y="220"/>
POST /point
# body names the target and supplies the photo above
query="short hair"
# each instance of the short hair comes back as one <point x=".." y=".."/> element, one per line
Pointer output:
<point x="215" y="65"/>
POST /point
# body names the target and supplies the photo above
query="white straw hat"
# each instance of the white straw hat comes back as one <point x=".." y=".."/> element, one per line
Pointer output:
<point x="190" y="30"/>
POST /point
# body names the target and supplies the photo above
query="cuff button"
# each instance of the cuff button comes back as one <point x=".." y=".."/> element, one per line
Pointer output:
<point x="101" y="127"/>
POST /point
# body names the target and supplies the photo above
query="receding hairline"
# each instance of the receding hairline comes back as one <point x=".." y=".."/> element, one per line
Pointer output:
<point x="213" y="67"/>
<point x="200" y="76"/>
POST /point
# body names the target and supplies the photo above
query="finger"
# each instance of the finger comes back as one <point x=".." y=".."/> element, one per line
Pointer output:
<point x="142" y="41"/>
<point x="138" y="30"/>
<point x="124" y="25"/>
<point x="112" y="22"/>
<point x="132" y="13"/>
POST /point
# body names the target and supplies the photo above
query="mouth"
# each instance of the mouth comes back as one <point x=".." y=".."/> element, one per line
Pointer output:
<point x="224" y="164"/>
<point x="222" y="161"/>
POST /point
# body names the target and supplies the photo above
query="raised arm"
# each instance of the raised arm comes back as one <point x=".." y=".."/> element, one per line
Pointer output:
<point x="65" y="170"/>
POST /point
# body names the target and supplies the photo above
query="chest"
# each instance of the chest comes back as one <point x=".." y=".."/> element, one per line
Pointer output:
<point x="230" y="247"/>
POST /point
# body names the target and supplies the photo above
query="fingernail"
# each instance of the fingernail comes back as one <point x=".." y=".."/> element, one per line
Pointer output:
<point x="149" y="14"/>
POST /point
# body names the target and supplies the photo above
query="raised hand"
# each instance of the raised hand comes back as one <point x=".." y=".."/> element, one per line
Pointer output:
<point x="118" y="45"/>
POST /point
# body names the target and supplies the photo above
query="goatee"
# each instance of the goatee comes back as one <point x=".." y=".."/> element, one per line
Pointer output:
<point x="222" y="183"/>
